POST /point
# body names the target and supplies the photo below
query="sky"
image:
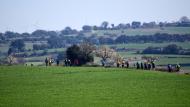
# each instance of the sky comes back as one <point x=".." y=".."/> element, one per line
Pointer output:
<point x="28" y="15"/>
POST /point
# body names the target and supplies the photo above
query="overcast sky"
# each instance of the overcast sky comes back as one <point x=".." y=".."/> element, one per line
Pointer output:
<point x="29" y="15"/>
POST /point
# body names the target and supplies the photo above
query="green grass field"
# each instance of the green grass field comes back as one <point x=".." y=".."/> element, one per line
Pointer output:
<point x="147" y="31"/>
<point x="91" y="87"/>
<point x="185" y="45"/>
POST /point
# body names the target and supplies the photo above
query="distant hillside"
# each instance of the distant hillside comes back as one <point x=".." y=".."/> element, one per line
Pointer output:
<point x="143" y="31"/>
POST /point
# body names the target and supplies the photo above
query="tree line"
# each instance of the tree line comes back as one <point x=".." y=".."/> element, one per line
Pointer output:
<point x="61" y="42"/>
<point x="182" y="22"/>
<point x="158" y="38"/>
<point x="170" y="49"/>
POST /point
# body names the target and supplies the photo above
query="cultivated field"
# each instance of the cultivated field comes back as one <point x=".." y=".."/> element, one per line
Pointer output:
<point x="185" y="45"/>
<point x="146" y="31"/>
<point x="89" y="86"/>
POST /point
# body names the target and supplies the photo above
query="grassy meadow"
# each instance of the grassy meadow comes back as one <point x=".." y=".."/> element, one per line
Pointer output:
<point x="91" y="87"/>
<point x="185" y="45"/>
<point x="145" y="31"/>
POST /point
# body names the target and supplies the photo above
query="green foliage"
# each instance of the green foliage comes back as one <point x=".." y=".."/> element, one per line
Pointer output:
<point x="76" y="53"/>
<point x="147" y="31"/>
<point x="170" y="49"/>
<point x="84" y="87"/>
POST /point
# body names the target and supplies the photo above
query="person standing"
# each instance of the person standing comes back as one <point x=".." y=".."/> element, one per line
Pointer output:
<point x="66" y="62"/>
<point x="149" y="66"/>
<point x="118" y="63"/>
<point x="127" y="64"/>
<point x="177" y="67"/>
<point x="123" y="63"/>
<point x="142" y="66"/>
<point x="69" y="62"/>
<point x="169" y="68"/>
<point x="51" y="61"/>
<point x="138" y="66"/>
<point x="153" y="65"/>
<point x="46" y="61"/>
<point x="145" y="66"/>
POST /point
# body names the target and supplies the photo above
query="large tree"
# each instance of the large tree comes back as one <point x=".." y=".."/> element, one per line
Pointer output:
<point x="104" y="25"/>
<point x="11" y="59"/>
<point x="82" y="53"/>
<point x="184" y="19"/>
<point x="172" y="49"/>
<point x="107" y="55"/>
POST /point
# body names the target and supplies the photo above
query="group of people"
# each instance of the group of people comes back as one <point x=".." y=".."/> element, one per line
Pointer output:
<point x="67" y="62"/>
<point x="49" y="61"/>
<point x="171" y="69"/>
<point x="147" y="65"/>
<point x="123" y="64"/>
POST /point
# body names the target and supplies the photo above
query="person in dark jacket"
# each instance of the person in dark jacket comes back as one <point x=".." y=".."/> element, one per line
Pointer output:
<point x="69" y="62"/>
<point x="145" y="66"/>
<point x="46" y="61"/>
<point x="149" y="66"/>
<point x="138" y="65"/>
<point x="142" y="66"/>
<point x="127" y="64"/>
<point x="66" y="62"/>
<point x="169" y="68"/>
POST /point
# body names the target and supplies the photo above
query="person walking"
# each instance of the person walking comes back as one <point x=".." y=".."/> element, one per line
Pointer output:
<point x="51" y="61"/>
<point x="127" y="64"/>
<point x="123" y="64"/>
<point x="145" y="66"/>
<point x="66" y="62"/>
<point x="153" y="65"/>
<point x="118" y="63"/>
<point x="149" y="66"/>
<point x="177" y="67"/>
<point x="169" y="68"/>
<point x="142" y="66"/>
<point x="138" y="65"/>
<point x="46" y="61"/>
<point x="69" y="62"/>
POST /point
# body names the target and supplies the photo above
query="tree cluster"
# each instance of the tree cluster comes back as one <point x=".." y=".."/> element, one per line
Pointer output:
<point x="170" y="49"/>
<point x="16" y="46"/>
<point x="82" y="53"/>
<point x="158" y="38"/>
